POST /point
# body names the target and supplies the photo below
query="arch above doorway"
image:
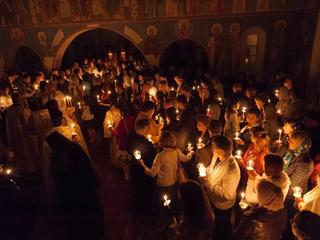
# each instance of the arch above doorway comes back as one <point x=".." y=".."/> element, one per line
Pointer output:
<point x="57" y="60"/>
<point x="186" y="55"/>
<point x="27" y="60"/>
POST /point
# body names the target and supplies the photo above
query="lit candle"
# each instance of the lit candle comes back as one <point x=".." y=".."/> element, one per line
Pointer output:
<point x="8" y="171"/>
<point x="280" y="132"/>
<point x="238" y="154"/>
<point x="137" y="154"/>
<point x="246" y="60"/>
<point x="149" y="137"/>
<point x="2" y="103"/>
<point x="194" y="88"/>
<point x="73" y="132"/>
<point x="167" y="201"/>
<point x="84" y="87"/>
<point x="109" y="124"/>
<point x="199" y="145"/>
<point x="47" y="81"/>
<point x="208" y="112"/>
<point x="36" y="87"/>
<point x="276" y="93"/>
<point x="244" y="109"/>
<point x="98" y="98"/>
<point x="79" y="105"/>
<point x="172" y="89"/>
<point x="202" y="170"/>
<point x="297" y="192"/>
<point x="189" y="148"/>
<point x="243" y="203"/>
<point x="279" y="111"/>
<point x="250" y="165"/>
<point x="109" y="92"/>
<point x="198" y="87"/>
<point x="237" y="136"/>
<point x="150" y="98"/>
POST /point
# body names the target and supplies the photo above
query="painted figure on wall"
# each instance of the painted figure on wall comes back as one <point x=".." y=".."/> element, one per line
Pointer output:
<point x="279" y="42"/>
<point x="75" y="10"/>
<point x="64" y="10"/>
<point x="171" y="8"/>
<point x="2" y="64"/>
<point x="183" y="28"/>
<point x="192" y="7"/>
<point x="216" y="6"/>
<point x="263" y="5"/>
<point x="239" y="6"/>
<point x="97" y="10"/>
<point x="216" y="46"/>
<point x="234" y="48"/>
<point x="51" y="9"/>
<point x="17" y="35"/>
<point x="151" y="44"/>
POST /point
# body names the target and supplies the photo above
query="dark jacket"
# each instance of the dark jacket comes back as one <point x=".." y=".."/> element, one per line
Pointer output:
<point x="261" y="224"/>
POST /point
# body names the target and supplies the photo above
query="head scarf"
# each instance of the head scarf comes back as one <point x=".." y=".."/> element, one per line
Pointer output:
<point x="270" y="196"/>
<point x="291" y="154"/>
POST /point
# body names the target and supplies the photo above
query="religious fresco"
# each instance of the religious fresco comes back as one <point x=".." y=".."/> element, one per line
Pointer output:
<point x="183" y="28"/>
<point x="151" y="43"/>
<point x="38" y="12"/>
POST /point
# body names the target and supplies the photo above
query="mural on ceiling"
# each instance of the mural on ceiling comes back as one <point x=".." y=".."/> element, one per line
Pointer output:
<point x="36" y="12"/>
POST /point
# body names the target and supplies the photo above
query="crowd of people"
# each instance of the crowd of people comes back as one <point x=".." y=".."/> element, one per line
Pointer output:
<point x="205" y="161"/>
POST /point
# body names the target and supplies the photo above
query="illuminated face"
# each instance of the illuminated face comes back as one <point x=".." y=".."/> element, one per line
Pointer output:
<point x="201" y="127"/>
<point x="252" y="119"/>
<point x="287" y="129"/>
<point x="293" y="144"/>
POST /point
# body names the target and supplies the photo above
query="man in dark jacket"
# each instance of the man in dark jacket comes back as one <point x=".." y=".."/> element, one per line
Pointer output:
<point x="77" y="187"/>
<point x="143" y="184"/>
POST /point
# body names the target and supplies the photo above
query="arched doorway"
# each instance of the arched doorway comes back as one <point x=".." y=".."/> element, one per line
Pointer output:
<point x="185" y="57"/>
<point x="27" y="60"/>
<point x="94" y="44"/>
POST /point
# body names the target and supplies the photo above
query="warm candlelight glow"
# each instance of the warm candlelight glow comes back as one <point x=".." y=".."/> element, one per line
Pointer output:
<point x="199" y="144"/>
<point x="202" y="170"/>
<point x="243" y="203"/>
<point x="109" y="124"/>
<point x="280" y="132"/>
<point x="73" y="132"/>
<point x="279" y="112"/>
<point x="297" y="192"/>
<point x="238" y="154"/>
<point x="8" y="171"/>
<point x="98" y="98"/>
<point x="276" y="93"/>
<point x="84" y="87"/>
<point x="250" y="165"/>
<point x="109" y="92"/>
<point x="36" y="87"/>
<point x="149" y="137"/>
<point x="79" y="105"/>
<point x="137" y="154"/>
<point x="246" y="60"/>
<point x="237" y="136"/>
<point x="167" y="201"/>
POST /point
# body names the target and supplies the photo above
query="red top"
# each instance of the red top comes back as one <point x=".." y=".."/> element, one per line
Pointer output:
<point x="257" y="158"/>
<point x="124" y="128"/>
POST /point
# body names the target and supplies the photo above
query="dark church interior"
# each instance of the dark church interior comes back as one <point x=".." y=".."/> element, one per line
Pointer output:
<point x="159" y="119"/>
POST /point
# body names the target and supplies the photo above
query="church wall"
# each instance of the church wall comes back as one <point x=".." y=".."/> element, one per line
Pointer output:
<point x="288" y="29"/>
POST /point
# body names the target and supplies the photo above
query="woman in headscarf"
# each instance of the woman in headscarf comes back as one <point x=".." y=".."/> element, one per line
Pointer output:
<point x="265" y="221"/>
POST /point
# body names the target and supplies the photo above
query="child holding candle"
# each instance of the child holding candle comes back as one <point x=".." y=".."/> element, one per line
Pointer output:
<point x="273" y="172"/>
<point x="165" y="167"/>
